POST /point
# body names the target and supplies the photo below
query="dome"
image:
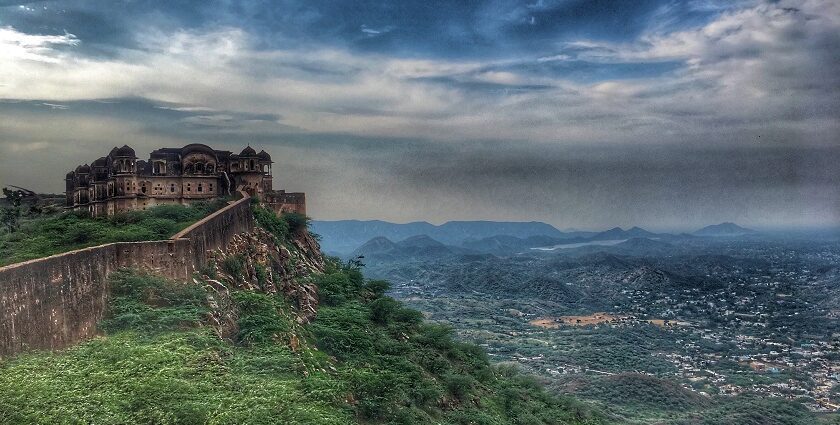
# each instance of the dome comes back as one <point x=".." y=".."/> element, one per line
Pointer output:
<point x="248" y="151"/>
<point x="125" y="151"/>
<point x="70" y="176"/>
<point x="264" y="155"/>
<point x="141" y="166"/>
<point x="83" y="169"/>
<point x="197" y="147"/>
<point x="101" y="162"/>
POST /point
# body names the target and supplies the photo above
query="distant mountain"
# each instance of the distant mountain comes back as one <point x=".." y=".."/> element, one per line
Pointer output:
<point x="643" y="243"/>
<point x="346" y="235"/>
<point x="504" y="244"/>
<point x="643" y="246"/>
<point x="381" y="249"/>
<point x="420" y="241"/>
<point x="377" y="245"/>
<point x="617" y="233"/>
<point x="723" y="229"/>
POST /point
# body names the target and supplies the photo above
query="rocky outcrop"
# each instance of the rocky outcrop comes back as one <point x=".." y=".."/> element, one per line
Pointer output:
<point x="255" y="261"/>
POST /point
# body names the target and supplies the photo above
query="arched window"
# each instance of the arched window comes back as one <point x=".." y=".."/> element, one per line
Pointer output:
<point x="199" y="168"/>
<point x="252" y="165"/>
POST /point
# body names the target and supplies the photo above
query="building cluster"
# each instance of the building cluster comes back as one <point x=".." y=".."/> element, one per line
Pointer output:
<point x="196" y="172"/>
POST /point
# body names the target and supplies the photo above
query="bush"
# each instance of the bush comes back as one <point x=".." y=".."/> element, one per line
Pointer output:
<point x="269" y="221"/>
<point x="153" y="304"/>
<point x="296" y="222"/>
<point x="339" y="287"/>
<point x="259" y="321"/>
<point x="262" y="275"/>
<point x="234" y="265"/>
<point x="382" y="310"/>
<point x="378" y="288"/>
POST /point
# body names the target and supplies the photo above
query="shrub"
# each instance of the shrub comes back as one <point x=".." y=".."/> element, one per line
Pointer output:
<point x="209" y="269"/>
<point x="338" y="287"/>
<point x="436" y="336"/>
<point x="378" y="288"/>
<point x="259" y="321"/>
<point x="262" y="275"/>
<point x="234" y="265"/>
<point x="153" y="304"/>
<point x="269" y="221"/>
<point x="460" y="386"/>
<point x="382" y="310"/>
<point x="296" y="222"/>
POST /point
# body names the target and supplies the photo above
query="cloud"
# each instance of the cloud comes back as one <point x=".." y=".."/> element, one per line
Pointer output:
<point x="17" y="46"/>
<point x="55" y="106"/>
<point x="748" y="67"/>
<point x="750" y="79"/>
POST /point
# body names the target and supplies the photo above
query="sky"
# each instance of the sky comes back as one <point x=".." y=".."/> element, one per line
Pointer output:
<point x="584" y="114"/>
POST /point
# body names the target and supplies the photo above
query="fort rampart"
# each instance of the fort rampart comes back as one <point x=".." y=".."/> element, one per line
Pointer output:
<point x="53" y="302"/>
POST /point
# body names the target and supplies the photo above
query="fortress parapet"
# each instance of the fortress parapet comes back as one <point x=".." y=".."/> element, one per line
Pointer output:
<point x="196" y="172"/>
<point x="286" y="202"/>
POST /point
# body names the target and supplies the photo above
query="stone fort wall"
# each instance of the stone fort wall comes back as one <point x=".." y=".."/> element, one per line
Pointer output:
<point x="54" y="302"/>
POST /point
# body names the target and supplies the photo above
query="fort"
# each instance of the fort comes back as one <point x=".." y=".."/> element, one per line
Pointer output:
<point x="54" y="302"/>
<point x="196" y="172"/>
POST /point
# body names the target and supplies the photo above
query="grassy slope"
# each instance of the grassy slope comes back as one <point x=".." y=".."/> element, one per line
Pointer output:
<point x="365" y="359"/>
<point x="46" y="235"/>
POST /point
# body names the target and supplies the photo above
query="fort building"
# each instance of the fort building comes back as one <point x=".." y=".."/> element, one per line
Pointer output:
<point x="196" y="172"/>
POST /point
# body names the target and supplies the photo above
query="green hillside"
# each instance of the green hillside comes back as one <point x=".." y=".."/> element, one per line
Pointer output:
<point x="365" y="359"/>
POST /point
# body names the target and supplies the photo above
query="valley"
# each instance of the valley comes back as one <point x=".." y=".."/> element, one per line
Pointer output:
<point x="705" y="331"/>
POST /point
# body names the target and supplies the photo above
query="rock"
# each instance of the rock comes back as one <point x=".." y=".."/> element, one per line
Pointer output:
<point x="266" y="268"/>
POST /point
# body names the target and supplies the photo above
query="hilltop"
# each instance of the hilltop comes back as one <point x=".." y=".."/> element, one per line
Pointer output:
<point x="724" y="229"/>
<point x="344" y="236"/>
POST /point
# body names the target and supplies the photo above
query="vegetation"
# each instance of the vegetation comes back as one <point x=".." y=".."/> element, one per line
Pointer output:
<point x="280" y="226"/>
<point x="401" y="370"/>
<point x="366" y="358"/>
<point x="10" y="214"/>
<point x="636" y="372"/>
<point x="42" y="235"/>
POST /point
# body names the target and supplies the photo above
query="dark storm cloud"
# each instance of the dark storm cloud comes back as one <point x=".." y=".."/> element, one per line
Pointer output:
<point x="677" y="112"/>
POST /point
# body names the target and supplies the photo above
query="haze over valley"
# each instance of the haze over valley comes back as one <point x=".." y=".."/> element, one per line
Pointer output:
<point x="651" y="327"/>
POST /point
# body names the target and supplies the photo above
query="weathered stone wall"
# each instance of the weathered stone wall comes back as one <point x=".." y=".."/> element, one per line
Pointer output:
<point x="53" y="302"/>
<point x="215" y="231"/>
<point x="286" y="202"/>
